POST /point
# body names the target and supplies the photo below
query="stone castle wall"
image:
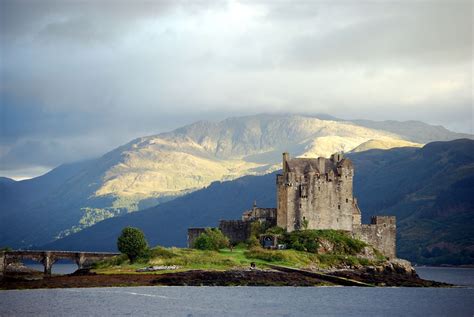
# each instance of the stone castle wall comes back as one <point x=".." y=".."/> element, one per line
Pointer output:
<point x="236" y="230"/>
<point x="267" y="215"/>
<point x="323" y="201"/>
<point x="381" y="233"/>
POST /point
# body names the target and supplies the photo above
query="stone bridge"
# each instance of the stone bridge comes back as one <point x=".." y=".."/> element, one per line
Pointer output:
<point x="48" y="258"/>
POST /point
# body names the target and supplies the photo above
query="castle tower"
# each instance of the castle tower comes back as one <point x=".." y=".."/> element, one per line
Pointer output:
<point x="316" y="193"/>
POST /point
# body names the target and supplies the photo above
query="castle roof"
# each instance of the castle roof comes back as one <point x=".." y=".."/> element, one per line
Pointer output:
<point x="319" y="165"/>
<point x="304" y="165"/>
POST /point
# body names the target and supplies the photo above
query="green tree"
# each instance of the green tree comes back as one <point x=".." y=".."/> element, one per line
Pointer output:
<point x="132" y="242"/>
<point x="211" y="239"/>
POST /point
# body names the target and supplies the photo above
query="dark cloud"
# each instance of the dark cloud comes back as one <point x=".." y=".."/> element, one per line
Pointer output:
<point x="81" y="77"/>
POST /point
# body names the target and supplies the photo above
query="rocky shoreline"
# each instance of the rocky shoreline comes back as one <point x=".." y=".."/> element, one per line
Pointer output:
<point x="394" y="273"/>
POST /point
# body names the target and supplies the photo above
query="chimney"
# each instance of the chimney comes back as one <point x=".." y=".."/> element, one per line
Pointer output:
<point x="286" y="157"/>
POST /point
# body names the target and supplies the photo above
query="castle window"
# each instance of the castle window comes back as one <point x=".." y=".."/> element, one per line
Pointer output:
<point x="347" y="200"/>
<point x="303" y="191"/>
<point x="338" y="206"/>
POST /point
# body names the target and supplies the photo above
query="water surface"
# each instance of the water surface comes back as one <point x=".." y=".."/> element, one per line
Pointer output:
<point x="239" y="301"/>
<point x="452" y="275"/>
<point x="248" y="301"/>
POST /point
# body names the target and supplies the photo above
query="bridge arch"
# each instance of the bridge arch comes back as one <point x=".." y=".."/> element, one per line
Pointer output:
<point x="48" y="258"/>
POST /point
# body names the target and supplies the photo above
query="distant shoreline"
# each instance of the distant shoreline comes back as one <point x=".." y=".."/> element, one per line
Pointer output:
<point x="446" y="266"/>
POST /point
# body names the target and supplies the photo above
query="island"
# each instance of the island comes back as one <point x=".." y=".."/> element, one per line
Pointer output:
<point x="313" y="238"/>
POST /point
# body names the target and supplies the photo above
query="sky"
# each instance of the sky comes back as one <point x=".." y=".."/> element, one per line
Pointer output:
<point x="79" y="78"/>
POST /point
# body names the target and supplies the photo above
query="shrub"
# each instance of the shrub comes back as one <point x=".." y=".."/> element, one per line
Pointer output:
<point x="115" y="261"/>
<point x="276" y="230"/>
<point x="257" y="228"/>
<point x="132" y="242"/>
<point x="162" y="253"/>
<point x="253" y="242"/>
<point x="241" y="245"/>
<point x="304" y="240"/>
<point x="211" y="239"/>
<point x="309" y="241"/>
<point x="265" y="255"/>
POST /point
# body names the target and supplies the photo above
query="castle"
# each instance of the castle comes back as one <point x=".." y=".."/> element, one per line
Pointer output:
<point x="314" y="194"/>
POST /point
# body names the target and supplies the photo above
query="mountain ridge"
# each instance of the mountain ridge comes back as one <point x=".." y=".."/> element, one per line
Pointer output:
<point x="149" y="170"/>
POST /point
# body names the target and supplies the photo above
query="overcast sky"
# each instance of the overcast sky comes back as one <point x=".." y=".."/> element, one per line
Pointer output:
<point x="79" y="78"/>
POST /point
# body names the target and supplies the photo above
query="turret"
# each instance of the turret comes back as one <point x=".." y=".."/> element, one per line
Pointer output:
<point x="337" y="157"/>
<point x="286" y="158"/>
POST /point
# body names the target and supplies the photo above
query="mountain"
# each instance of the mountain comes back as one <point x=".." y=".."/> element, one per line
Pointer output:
<point x="167" y="223"/>
<point x="382" y="145"/>
<point x="431" y="192"/>
<point x="414" y="131"/>
<point x="429" y="189"/>
<point x="6" y="180"/>
<point x="155" y="169"/>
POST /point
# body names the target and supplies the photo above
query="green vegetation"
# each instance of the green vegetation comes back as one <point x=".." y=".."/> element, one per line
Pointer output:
<point x="336" y="242"/>
<point x="132" y="243"/>
<point x="211" y="239"/>
<point x="339" y="250"/>
<point x="225" y="259"/>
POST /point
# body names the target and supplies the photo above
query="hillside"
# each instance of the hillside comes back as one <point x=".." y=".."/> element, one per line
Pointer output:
<point x="428" y="189"/>
<point x="431" y="192"/>
<point x="154" y="169"/>
<point x="414" y="131"/>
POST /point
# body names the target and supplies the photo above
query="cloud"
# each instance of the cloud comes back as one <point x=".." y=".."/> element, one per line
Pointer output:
<point x="421" y="33"/>
<point x="81" y="77"/>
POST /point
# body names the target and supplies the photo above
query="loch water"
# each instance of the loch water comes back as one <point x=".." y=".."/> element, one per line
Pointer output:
<point x="250" y="301"/>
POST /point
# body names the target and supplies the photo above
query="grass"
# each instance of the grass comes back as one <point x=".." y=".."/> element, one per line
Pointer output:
<point x="225" y="259"/>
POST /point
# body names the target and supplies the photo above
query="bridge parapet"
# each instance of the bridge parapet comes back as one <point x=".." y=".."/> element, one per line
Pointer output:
<point x="48" y="258"/>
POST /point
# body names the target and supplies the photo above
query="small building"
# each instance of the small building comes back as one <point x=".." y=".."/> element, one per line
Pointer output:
<point x="269" y="241"/>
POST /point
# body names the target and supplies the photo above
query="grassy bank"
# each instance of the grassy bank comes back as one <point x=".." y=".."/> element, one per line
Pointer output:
<point x="316" y="249"/>
<point x="226" y="259"/>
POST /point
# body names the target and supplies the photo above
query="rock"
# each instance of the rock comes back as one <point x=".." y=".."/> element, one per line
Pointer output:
<point x="325" y="246"/>
<point x="367" y="252"/>
<point x="403" y="266"/>
<point x="158" y="268"/>
<point x="83" y="272"/>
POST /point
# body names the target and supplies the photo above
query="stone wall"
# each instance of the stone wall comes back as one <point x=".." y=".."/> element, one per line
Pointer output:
<point x="380" y="233"/>
<point x="236" y="230"/>
<point x="267" y="215"/>
<point x="2" y="262"/>
<point x="193" y="234"/>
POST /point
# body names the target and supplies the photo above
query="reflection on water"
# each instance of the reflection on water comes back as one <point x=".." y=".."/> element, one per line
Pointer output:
<point x="60" y="267"/>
